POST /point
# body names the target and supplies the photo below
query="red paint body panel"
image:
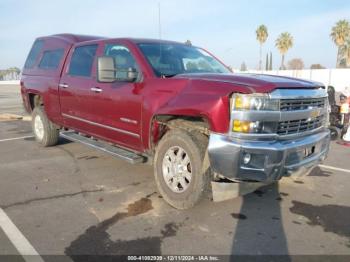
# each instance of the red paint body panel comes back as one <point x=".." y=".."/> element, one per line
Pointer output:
<point x="128" y="109"/>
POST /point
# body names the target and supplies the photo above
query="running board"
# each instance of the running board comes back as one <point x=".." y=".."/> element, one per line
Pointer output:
<point x="115" y="151"/>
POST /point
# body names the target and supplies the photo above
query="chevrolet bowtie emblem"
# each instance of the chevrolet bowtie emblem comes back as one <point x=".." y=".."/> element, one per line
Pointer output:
<point x="315" y="113"/>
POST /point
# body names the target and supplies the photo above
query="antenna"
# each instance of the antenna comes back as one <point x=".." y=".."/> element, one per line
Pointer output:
<point x="160" y="34"/>
<point x="159" y="23"/>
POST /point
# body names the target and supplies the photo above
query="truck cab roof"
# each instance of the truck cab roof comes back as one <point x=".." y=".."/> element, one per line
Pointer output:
<point x="61" y="44"/>
<point x="75" y="38"/>
<point x="72" y="38"/>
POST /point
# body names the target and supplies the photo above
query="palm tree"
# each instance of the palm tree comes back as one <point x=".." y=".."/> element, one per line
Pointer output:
<point x="345" y="51"/>
<point x="17" y="72"/>
<point x="261" y="36"/>
<point x="340" y="32"/>
<point x="283" y="43"/>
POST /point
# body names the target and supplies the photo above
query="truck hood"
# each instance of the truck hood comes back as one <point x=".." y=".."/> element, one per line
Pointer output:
<point x="256" y="83"/>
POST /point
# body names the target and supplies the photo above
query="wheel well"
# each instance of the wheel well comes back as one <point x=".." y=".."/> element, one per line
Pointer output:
<point x="35" y="100"/>
<point x="163" y="123"/>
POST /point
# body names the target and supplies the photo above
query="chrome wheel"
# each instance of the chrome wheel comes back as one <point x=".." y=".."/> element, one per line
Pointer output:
<point x="39" y="127"/>
<point x="177" y="169"/>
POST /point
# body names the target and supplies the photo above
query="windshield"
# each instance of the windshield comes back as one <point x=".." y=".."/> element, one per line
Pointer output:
<point x="171" y="59"/>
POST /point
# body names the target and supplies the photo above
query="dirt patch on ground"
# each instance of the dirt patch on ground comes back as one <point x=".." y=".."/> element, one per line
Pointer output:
<point x="8" y="117"/>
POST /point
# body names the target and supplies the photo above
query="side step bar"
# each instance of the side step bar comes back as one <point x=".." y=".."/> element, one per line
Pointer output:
<point x="115" y="151"/>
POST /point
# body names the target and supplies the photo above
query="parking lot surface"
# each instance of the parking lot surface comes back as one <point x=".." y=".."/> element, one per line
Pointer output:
<point x="10" y="99"/>
<point x="71" y="199"/>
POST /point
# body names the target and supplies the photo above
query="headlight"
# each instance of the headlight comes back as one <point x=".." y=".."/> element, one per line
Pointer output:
<point x="254" y="102"/>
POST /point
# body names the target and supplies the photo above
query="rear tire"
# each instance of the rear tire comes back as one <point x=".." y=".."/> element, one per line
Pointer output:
<point x="44" y="130"/>
<point x="181" y="170"/>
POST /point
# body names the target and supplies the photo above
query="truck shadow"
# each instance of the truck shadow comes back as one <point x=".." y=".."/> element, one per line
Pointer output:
<point x="259" y="228"/>
<point x="63" y="141"/>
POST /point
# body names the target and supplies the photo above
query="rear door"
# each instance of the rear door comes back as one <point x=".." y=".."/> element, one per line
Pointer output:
<point x="75" y="88"/>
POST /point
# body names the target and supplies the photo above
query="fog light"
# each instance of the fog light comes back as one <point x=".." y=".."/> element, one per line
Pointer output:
<point x="241" y="126"/>
<point x="246" y="158"/>
<point x="246" y="126"/>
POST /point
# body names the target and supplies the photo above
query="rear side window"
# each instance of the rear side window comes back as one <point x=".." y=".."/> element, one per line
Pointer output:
<point x="34" y="54"/>
<point x="51" y="59"/>
<point x="82" y="60"/>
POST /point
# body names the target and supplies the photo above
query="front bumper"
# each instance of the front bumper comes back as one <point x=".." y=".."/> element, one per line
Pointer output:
<point x="270" y="160"/>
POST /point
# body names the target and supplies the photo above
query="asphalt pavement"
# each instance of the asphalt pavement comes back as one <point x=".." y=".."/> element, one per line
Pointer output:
<point x="71" y="199"/>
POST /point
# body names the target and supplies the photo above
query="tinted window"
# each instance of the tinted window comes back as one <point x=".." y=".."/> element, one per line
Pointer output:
<point x="123" y="59"/>
<point x="171" y="59"/>
<point x="82" y="60"/>
<point x="34" y="53"/>
<point x="51" y="59"/>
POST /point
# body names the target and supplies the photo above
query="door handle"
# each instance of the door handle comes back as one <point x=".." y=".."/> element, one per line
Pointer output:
<point x="96" y="89"/>
<point x="63" y="85"/>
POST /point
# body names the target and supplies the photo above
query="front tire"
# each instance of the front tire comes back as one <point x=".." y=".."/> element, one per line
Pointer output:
<point x="44" y="130"/>
<point x="181" y="174"/>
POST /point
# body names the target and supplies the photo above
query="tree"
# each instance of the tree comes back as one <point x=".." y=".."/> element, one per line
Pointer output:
<point x="317" y="66"/>
<point x="283" y="43"/>
<point x="270" y="65"/>
<point x="243" y="67"/>
<point x="267" y="62"/>
<point x="340" y="32"/>
<point x="345" y="51"/>
<point x="12" y="73"/>
<point x="261" y="36"/>
<point x="17" y="71"/>
<point x="296" y="64"/>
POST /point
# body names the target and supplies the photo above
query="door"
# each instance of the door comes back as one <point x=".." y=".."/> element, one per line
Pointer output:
<point x="117" y="105"/>
<point x="75" y="88"/>
<point x="110" y="111"/>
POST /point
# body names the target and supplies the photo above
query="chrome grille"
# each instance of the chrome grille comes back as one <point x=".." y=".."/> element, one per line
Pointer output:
<point x="301" y="104"/>
<point x="299" y="126"/>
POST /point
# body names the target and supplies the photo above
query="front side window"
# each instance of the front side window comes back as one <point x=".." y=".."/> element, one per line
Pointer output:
<point x="123" y="59"/>
<point x="171" y="59"/>
<point x="51" y="59"/>
<point x="82" y="60"/>
<point x="34" y="54"/>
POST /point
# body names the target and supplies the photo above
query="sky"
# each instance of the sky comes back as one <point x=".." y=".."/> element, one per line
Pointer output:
<point x="224" y="27"/>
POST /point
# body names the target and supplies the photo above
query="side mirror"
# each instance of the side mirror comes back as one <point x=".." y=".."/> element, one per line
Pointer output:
<point x="132" y="74"/>
<point x="106" y="69"/>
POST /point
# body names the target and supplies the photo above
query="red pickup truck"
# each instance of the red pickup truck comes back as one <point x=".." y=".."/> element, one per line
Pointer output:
<point x="175" y="106"/>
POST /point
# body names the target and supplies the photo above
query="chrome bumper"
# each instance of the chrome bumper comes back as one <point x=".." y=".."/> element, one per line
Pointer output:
<point x="270" y="160"/>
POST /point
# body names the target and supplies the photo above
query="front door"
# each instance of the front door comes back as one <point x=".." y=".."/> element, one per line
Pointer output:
<point x="111" y="111"/>
<point x="117" y="105"/>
